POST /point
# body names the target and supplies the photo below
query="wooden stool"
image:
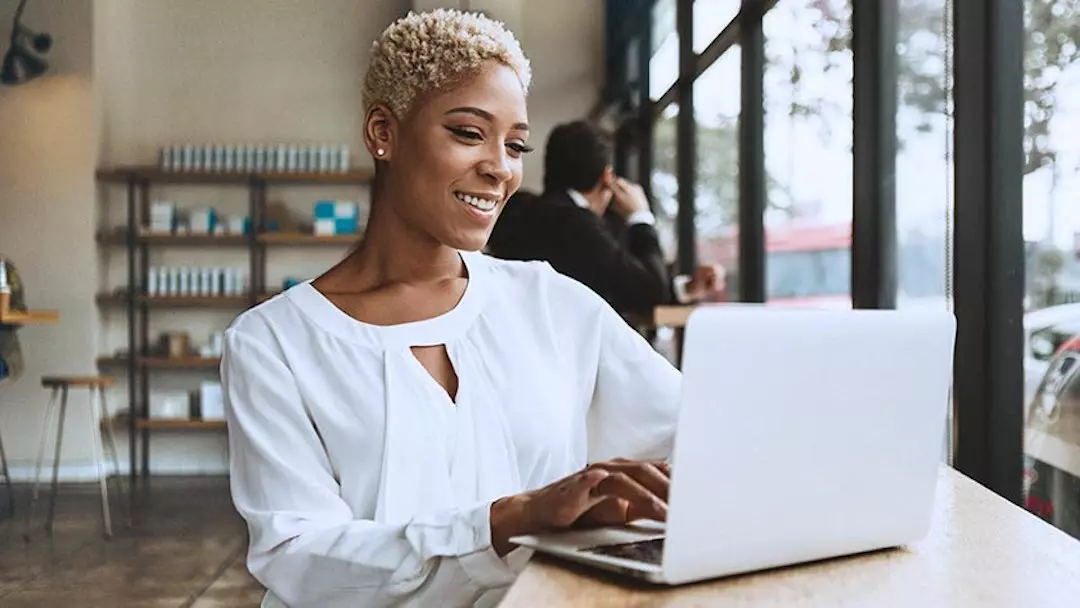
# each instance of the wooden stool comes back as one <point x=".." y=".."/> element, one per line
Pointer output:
<point x="60" y="386"/>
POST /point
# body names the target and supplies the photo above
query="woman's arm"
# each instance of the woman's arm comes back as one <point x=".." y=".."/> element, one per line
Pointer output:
<point x="307" y="546"/>
<point x="636" y="396"/>
<point x="633" y="390"/>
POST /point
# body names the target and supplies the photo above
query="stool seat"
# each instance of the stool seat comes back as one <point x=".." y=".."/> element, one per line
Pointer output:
<point x="77" y="381"/>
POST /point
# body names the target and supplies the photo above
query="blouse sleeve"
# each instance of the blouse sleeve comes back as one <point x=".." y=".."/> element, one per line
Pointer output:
<point x="633" y="390"/>
<point x="306" y="546"/>
<point x="636" y="397"/>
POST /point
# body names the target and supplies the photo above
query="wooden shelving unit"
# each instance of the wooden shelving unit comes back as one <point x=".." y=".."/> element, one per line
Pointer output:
<point x="137" y="243"/>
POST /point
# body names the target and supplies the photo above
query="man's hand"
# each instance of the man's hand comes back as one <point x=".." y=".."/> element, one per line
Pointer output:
<point x="627" y="198"/>
<point x="706" y="281"/>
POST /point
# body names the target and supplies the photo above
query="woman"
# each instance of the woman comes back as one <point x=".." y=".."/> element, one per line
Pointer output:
<point x="395" y="421"/>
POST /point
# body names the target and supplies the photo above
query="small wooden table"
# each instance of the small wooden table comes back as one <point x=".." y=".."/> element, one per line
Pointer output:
<point x="29" y="317"/>
<point x="982" y="552"/>
<point x="14" y="317"/>
<point x="671" y="316"/>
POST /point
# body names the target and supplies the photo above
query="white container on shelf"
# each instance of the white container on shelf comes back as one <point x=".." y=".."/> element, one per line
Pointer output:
<point x="343" y="159"/>
<point x="236" y="224"/>
<point x="170" y="404"/>
<point x="281" y="152"/>
<point x="248" y="164"/>
<point x="260" y="159"/>
<point x="152" y="281"/>
<point x="204" y="282"/>
<point x="324" y="158"/>
<point x="228" y="282"/>
<point x="215" y="282"/>
<point x="303" y="163"/>
<point x="230" y="159"/>
<point x="188" y="162"/>
<point x="291" y="158"/>
<point x="174" y="282"/>
<point x="185" y="281"/>
<point x="210" y="401"/>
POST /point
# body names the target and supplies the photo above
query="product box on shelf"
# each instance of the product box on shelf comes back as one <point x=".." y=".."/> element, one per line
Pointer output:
<point x="214" y="346"/>
<point x="211" y="404"/>
<point x="204" y="221"/>
<point x="170" y="404"/>
<point x="163" y="217"/>
<point x="238" y="225"/>
<point x="336" y="217"/>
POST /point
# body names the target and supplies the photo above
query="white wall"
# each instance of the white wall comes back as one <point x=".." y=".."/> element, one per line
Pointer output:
<point x="46" y="214"/>
<point x="131" y="75"/>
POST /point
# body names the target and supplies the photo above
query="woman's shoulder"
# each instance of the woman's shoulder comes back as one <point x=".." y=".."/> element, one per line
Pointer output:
<point x="264" y="322"/>
<point x="537" y="281"/>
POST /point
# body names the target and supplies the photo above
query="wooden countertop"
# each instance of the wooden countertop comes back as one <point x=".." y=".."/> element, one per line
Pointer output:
<point x="982" y="552"/>
<point x="671" y="316"/>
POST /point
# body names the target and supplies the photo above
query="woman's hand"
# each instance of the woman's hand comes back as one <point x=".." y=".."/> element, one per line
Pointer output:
<point x="606" y="493"/>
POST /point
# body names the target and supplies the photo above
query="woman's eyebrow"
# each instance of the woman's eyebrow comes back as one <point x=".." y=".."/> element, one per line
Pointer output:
<point x="488" y="116"/>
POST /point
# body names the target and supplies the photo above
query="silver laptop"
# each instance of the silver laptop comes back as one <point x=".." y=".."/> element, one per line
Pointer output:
<point x="803" y="435"/>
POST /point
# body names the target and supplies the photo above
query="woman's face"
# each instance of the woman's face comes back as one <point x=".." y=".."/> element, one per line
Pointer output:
<point x="457" y="157"/>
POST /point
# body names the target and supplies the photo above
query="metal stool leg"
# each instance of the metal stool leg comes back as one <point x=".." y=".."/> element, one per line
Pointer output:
<point x="56" y="460"/>
<point x="10" y="511"/>
<point x="50" y="411"/>
<point x="103" y="472"/>
<point x="110" y="435"/>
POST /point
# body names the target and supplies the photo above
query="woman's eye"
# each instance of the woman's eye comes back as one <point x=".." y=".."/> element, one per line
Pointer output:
<point x="520" y="148"/>
<point x="466" y="133"/>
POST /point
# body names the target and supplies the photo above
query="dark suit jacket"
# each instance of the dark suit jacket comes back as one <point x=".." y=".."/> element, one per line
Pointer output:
<point x="626" y="270"/>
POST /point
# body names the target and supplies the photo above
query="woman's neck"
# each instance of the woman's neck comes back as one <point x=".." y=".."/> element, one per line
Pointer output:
<point x="393" y="252"/>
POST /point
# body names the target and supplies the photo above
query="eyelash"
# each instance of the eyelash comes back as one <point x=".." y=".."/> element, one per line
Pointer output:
<point x="474" y="136"/>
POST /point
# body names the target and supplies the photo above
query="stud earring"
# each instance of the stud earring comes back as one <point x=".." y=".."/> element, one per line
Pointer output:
<point x="379" y="152"/>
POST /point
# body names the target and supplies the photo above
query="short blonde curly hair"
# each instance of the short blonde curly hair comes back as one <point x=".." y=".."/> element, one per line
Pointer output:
<point x="424" y="52"/>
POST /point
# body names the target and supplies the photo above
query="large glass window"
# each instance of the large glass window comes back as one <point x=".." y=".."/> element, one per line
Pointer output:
<point x="710" y="18"/>
<point x="664" y="60"/>
<point x="924" y="167"/>
<point x="808" y="162"/>
<point x="716" y="114"/>
<point x="665" y="184"/>
<point x="923" y="160"/>
<point x="1051" y="230"/>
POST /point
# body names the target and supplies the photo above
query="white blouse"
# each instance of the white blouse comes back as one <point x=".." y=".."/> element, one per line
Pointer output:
<point x="363" y="484"/>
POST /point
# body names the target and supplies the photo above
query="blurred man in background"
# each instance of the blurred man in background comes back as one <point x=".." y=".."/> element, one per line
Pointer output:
<point x="565" y="226"/>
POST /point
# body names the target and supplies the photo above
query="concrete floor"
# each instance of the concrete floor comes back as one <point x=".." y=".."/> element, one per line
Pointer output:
<point x="184" y="549"/>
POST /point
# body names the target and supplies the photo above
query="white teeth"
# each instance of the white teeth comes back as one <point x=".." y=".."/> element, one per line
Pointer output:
<point x="479" y="203"/>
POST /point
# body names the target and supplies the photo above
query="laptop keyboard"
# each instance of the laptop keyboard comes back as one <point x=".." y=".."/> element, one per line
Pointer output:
<point x="647" y="551"/>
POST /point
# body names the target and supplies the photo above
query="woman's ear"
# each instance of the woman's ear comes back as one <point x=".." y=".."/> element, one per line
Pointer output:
<point x="380" y="130"/>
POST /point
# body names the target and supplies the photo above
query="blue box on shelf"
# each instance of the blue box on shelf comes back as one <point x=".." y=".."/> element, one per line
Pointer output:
<point x="336" y="217"/>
